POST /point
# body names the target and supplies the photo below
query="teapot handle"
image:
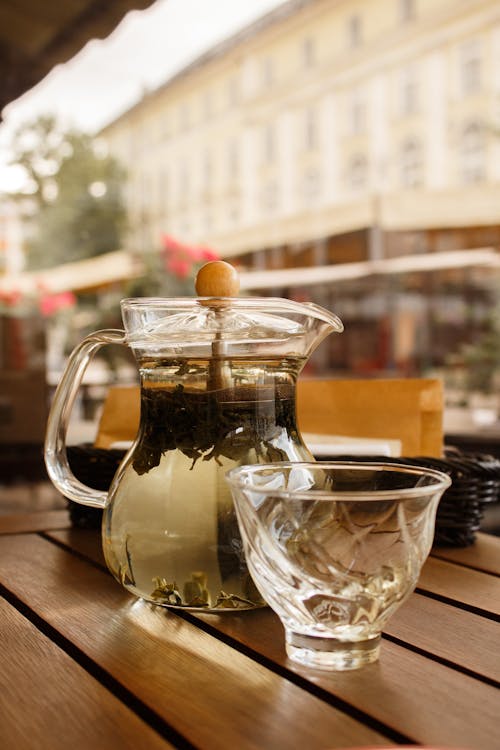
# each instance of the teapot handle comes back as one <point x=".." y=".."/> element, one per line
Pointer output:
<point x="56" y="459"/>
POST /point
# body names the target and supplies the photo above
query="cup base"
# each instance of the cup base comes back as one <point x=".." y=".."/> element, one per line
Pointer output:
<point x="330" y="653"/>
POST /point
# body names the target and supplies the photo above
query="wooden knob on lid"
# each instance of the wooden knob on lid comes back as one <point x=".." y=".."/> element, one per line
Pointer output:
<point x="217" y="279"/>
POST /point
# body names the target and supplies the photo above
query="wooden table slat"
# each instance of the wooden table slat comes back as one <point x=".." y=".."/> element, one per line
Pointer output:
<point x="482" y="555"/>
<point x="71" y="707"/>
<point x="404" y="689"/>
<point x="211" y="694"/>
<point x="86" y="542"/>
<point x="454" y="635"/>
<point x="36" y="521"/>
<point x="421" y="621"/>
<point x="470" y="587"/>
<point x="98" y="596"/>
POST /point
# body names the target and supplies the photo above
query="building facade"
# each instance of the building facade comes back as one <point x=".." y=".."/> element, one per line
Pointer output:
<point x="332" y="131"/>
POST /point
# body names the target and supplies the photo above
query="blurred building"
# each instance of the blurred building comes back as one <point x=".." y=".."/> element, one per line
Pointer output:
<point x="332" y="132"/>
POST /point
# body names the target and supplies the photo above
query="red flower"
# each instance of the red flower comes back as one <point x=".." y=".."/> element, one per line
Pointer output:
<point x="179" y="258"/>
<point x="52" y="303"/>
<point x="170" y="243"/>
<point x="208" y="254"/>
<point x="180" y="268"/>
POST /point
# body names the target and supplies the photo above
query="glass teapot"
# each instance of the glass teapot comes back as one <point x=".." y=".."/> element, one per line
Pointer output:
<point x="218" y="376"/>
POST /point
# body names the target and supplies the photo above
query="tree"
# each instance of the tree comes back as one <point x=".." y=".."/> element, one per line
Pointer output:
<point x="76" y="191"/>
<point x="482" y="358"/>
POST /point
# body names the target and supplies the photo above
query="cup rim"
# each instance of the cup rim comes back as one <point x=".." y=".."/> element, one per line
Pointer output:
<point x="442" y="480"/>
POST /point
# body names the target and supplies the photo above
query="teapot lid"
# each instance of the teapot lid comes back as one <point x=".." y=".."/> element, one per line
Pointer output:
<point x="219" y="315"/>
<point x="252" y="319"/>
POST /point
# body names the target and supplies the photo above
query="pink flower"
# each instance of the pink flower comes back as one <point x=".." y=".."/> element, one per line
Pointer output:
<point x="52" y="303"/>
<point x="180" y="268"/>
<point x="192" y="252"/>
<point x="170" y="243"/>
<point x="179" y="258"/>
<point x="208" y="254"/>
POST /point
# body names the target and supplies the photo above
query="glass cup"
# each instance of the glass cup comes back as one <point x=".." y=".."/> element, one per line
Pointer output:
<point x="335" y="548"/>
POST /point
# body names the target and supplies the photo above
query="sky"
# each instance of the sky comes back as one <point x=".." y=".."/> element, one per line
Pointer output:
<point x="108" y="76"/>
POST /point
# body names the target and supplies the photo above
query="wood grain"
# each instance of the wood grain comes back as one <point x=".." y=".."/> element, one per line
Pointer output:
<point x="86" y="542"/>
<point x="420" y="622"/>
<point x="36" y="521"/>
<point x="484" y="554"/>
<point x="449" y="633"/>
<point x="431" y="703"/>
<point x="211" y="694"/>
<point x="48" y="701"/>
<point x="471" y="587"/>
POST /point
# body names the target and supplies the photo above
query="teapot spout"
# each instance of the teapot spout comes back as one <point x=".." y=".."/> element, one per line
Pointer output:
<point x="319" y="324"/>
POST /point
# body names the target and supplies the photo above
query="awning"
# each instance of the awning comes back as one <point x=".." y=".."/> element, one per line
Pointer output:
<point x="119" y="266"/>
<point x="90" y="274"/>
<point x="293" y="277"/>
<point x="36" y="36"/>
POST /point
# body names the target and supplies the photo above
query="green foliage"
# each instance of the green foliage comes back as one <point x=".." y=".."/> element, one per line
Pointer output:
<point x="482" y="358"/>
<point x="76" y="191"/>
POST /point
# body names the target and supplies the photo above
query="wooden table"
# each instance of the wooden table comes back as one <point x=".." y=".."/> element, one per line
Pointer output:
<point x="85" y="665"/>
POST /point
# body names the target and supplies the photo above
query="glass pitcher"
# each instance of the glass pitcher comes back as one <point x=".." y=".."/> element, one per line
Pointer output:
<point x="218" y="380"/>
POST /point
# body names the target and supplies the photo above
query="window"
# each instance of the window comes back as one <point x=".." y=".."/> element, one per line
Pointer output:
<point x="408" y="92"/>
<point x="310" y="129"/>
<point x="165" y="126"/>
<point x="183" y="181"/>
<point x="311" y="184"/>
<point x="357" y="172"/>
<point x="354" y="31"/>
<point x="270" y="197"/>
<point x="232" y="160"/>
<point x="407" y="11"/>
<point x="145" y="193"/>
<point x="233" y="213"/>
<point x="267" y="72"/>
<point x="357" y="113"/>
<point x="308" y="52"/>
<point x="233" y="92"/>
<point x="207" y="105"/>
<point x="411" y="164"/>
<point x="470" y="67"/>
<point x="269" y="145"/>
<point x="277" y="257"/>
<point x="207" y="167"/>
<point x="208" y="222"/>
<point x="162" y="191"/>
<point x="184" y="117"/>
<point x="472" y="153"/>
